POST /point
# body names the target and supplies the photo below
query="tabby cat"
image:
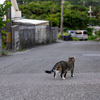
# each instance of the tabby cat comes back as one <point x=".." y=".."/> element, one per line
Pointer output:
<point x="62" y="67"/>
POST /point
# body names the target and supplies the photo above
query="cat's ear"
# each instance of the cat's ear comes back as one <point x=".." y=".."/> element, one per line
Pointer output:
<point x="74" y="59"/>
<point x="68" y="58"/>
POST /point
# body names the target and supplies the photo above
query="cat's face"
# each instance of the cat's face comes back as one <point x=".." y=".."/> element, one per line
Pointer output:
<point x="71" y="59"/>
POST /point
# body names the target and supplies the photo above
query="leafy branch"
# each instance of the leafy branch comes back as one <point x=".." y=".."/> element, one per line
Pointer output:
<point x="4" y="11"/>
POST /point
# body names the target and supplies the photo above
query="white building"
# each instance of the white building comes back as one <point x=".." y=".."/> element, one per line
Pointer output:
<point x="16" y="15"/>
<point x="14" y="9"/>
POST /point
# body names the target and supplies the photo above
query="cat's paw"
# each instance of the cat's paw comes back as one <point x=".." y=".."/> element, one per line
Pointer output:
<point x="63" y="78"/>
<point x="72" y="75"/>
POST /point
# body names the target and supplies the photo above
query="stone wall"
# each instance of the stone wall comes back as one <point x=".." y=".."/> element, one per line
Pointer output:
<point x="55" y="34"/>
<point x="31" y="35"/>
<point x="15" y="38"/>
<point x="26" y="36"/>
<point x="46" y="34"/>
<point x="40" y="35"/>
<point x="43" y="35"/>
<point x="0" y="45"/>
<point x="49" y="34"/>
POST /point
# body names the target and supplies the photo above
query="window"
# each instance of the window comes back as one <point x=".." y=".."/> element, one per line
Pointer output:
<point x="85" y="32"/>
<point x="78" y="32"/>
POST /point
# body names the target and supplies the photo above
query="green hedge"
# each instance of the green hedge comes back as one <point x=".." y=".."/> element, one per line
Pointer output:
<point x="93" y="37"/>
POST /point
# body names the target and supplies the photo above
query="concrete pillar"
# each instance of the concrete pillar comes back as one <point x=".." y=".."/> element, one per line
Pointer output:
<point x="0" y="45"/>
<point x="8" y="28"/>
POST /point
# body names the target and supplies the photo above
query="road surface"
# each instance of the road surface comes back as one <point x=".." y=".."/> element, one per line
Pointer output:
<point x="23" y="77"/>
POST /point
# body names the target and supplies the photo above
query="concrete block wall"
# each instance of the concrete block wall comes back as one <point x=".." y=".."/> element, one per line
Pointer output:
<point x="26" y="36"/>
<point x="49" y="34"/>
<point x="31" y="35"/>
<point x="40" y="35"/>
<point x="55" y="34"/>
<point x="45" y="34"/>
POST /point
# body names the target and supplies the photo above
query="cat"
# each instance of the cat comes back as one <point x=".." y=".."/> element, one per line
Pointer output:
<point x="62" y="67"/>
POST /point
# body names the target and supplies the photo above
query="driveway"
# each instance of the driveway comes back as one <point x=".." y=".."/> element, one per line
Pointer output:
<point x="23" y="77"/>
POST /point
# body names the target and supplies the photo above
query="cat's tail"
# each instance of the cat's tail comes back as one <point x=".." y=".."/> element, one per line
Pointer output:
<point x="49" y="72"/>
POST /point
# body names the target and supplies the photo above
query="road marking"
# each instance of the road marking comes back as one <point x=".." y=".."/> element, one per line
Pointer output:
<point x="90" y="54"/>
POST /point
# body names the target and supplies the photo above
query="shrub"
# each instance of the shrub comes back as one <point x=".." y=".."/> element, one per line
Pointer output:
<point x="59" y="35"/>
<point x="98" y="33"/>
<point x="89" y="31"/>
<point x="65" y="33"/>
<point x="75" y="39"/>
<point x="4" y="11"/>
<point x="93" y="37"/>
<point x="4" y="52"/>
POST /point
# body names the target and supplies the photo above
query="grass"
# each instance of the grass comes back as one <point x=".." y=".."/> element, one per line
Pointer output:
<point x="4" y="52"/>
<point x="65" y="33"/>
<point x="75" y="39"/>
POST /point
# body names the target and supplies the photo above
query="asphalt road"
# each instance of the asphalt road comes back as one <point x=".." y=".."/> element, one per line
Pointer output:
<point x="23" y="77"/>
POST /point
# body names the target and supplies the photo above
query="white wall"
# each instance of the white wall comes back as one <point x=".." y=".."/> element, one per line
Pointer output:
<point x="15" y="12"/>
<point x="14" y="9"/>
<point x="2" y="1"/>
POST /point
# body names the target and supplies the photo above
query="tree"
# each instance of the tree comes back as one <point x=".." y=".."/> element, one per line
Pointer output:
<point x="54" y="19"/>
<point x="88" y="3"/>
<point x="46" y="10"/>
<point x="76" y="17"/>
<point x="4" y="11"/>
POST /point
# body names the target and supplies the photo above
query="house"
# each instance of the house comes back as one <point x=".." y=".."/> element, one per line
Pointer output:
<point x="25" y="33"/>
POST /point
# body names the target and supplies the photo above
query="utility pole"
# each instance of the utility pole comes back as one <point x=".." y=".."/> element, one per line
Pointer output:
<point x="84" y="3"/>
<point x="8" y="28"/>
<point x="90" y="11"/>
<point x="23" y="1"/>
<point x="61" y="27"/>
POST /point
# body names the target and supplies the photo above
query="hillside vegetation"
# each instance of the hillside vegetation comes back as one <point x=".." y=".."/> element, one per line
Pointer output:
<point x="93" y="3"/>
<point x="75" y="16"/>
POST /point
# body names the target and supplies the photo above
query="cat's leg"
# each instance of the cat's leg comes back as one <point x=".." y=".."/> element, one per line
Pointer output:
<point x="54" y="74"/>
<point x="72" y="73"/>
<point x="65" y="74"/>
<point x="62" y="75"/>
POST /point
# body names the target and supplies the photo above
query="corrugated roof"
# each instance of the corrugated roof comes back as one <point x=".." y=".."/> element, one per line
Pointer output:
<point x="30" y="21"/>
